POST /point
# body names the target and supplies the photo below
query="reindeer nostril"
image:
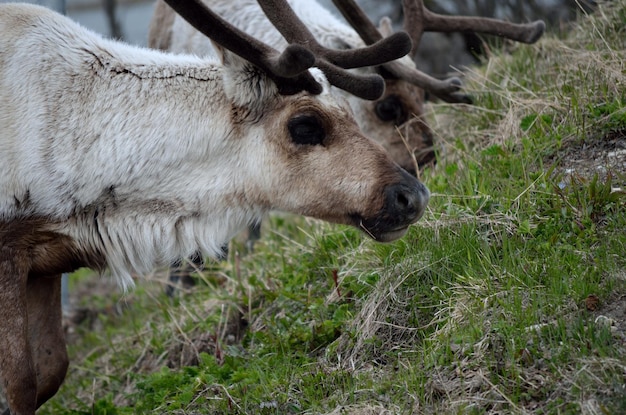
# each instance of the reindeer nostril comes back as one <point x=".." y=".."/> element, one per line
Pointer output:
<point x="405" y="200"/>
<point x="402" y="200"/>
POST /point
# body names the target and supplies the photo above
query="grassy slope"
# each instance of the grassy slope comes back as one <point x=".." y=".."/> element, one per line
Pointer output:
<point x="507" y="298"/>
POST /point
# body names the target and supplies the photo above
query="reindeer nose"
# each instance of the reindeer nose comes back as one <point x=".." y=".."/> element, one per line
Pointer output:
<point x="407" y="200"/>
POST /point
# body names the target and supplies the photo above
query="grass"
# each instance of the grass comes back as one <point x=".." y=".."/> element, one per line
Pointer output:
<point x="508" y="297"/>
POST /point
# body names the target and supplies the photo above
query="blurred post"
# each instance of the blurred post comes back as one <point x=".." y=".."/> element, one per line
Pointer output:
<point x="114" y="25"/>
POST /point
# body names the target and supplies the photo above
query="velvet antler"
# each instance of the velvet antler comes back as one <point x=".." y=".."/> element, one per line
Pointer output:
<point x="417" y="20"/>
<point x="289" y="68"/>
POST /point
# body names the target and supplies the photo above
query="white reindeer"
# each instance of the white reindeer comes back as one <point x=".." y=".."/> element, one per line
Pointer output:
<point x="127" y="158"/>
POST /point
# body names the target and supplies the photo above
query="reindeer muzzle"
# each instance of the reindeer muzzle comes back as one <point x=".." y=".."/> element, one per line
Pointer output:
<point x="405" y="203"/>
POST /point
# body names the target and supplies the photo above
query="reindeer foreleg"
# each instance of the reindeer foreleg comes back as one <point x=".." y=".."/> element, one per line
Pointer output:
<point x="46" y="337"/>
<point x="17" y="369"/>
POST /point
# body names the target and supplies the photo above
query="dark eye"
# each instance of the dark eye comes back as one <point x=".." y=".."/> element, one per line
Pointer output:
<point x="391" y="109"/>
<point x="307" y="130"/>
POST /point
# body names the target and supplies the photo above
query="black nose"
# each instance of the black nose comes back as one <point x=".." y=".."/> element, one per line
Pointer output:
<point x="407" y="200"/>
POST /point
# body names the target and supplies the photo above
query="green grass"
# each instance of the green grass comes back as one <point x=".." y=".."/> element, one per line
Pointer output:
<point x="482" y="308"/>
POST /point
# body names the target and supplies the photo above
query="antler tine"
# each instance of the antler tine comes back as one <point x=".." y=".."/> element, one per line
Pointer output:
<point x="288" y="70"/>
<point x="413" y="22"/>
<point x="334" y="62"/>
<point x="524" y="32"/>
<point x="445" y="89"/>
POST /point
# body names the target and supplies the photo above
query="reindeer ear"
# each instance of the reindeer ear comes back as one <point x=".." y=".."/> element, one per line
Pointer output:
<point x="244" y="84"/>
<point x="385" y="27"/>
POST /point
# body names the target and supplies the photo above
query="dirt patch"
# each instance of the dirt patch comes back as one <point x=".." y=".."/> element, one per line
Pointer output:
<point x="604" y="157"/>
<point x="612" y="313"/>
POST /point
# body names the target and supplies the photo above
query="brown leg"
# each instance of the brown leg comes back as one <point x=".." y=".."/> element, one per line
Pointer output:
<point x="46" y="337"/>
<point x="17" y="371"/>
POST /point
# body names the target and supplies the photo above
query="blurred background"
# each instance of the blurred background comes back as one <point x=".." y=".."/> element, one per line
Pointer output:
<point x="128" y="20"/>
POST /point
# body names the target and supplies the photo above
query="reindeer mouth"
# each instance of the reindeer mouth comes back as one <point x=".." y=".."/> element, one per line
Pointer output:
<point x="386" y="236"/>
<point x="382" y="230"/>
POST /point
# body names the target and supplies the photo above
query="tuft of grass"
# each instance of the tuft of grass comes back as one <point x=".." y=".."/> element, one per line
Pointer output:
<point x="508" y="297"/>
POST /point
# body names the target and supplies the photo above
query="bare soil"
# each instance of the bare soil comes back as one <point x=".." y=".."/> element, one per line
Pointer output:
<point x="604" y="157"/>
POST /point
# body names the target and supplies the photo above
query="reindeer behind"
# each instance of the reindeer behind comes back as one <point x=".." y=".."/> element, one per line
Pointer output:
<point x="125" y="158"/>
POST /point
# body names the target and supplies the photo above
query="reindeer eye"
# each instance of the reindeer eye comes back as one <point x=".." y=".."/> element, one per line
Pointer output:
<point x="391" y="109"/>
<point x="307" y="130"/>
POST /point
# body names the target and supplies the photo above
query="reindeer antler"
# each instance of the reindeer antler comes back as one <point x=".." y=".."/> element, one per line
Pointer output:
<point x="289" y="68"/>
<point x="331" y="61"/>
<point x="417" y="20"/>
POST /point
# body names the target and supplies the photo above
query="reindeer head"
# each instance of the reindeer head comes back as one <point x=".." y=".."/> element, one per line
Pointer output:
<point x="401" y="107"/>
<point x="310" y="153"/>
<point x="396" y="121"/>
<point x="310" y="157"/>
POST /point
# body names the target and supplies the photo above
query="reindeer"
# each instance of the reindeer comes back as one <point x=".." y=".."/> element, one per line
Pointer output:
<point x="124" y="158"/>
<point x="396" y="119"/>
